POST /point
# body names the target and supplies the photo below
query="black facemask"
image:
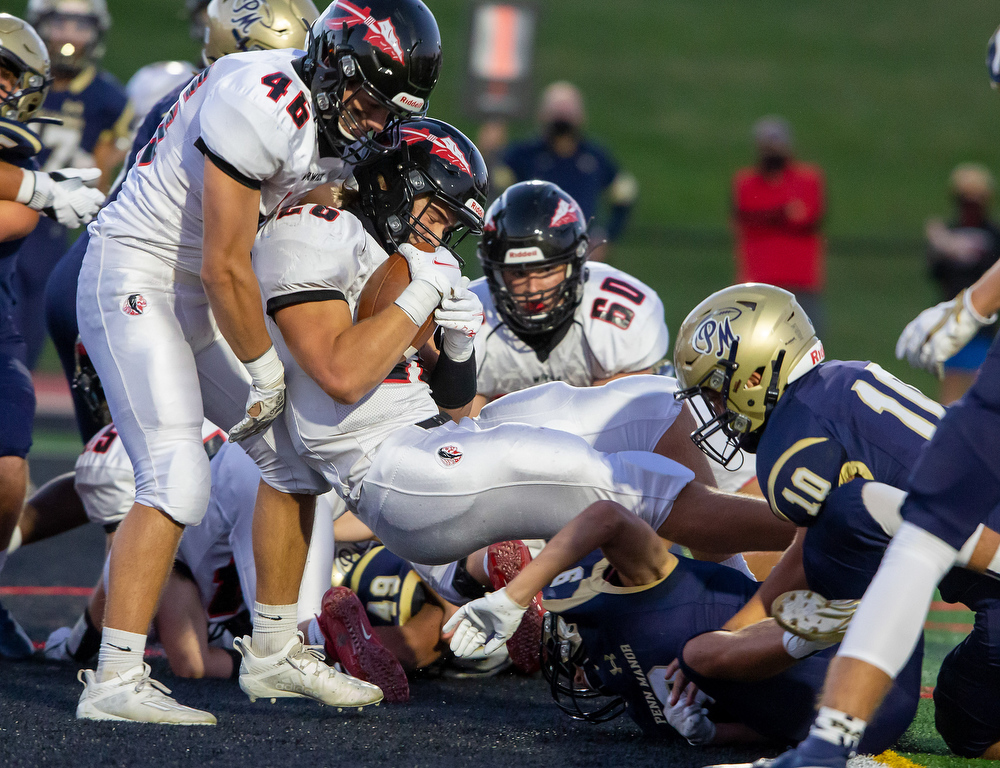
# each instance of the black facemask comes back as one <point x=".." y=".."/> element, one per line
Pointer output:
<point x="559" y="128"/>
<point x="773" y="163"/>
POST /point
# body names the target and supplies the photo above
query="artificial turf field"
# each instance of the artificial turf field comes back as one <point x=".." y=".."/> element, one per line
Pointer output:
<point x="887" y="97"/>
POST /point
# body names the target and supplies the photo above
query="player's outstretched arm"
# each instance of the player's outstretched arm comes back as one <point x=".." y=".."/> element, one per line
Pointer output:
<point x="631" y="545"/>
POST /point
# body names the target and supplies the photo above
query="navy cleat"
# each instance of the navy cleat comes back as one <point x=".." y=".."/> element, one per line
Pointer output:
<point x="14" y="641"/>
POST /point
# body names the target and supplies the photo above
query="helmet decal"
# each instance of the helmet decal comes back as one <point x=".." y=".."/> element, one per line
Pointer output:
<point x="444" y="147"/>
<point x="566" y="213"/>
<point x="381" y="33"/>
<point x="715" y="334"/>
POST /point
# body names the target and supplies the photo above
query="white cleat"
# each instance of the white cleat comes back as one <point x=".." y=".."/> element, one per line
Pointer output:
<point x="299" y="670"/>
<point x="812" y="617"/>
<point x="133" y="696"/>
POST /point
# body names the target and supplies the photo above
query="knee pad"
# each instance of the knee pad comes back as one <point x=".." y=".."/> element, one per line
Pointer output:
<point x="179" y="480"/>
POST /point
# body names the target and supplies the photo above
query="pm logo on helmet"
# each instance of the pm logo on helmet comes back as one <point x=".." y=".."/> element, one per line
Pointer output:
<point x="715" y="334"/>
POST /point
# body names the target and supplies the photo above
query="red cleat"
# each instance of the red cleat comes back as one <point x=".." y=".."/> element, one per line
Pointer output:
<point x="349" y="639"/>
<point x="504" y="561"/>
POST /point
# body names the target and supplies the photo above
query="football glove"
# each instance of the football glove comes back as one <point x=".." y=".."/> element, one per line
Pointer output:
<point x="460" y="317"/>
<point x="267" y="396"/>
<point x="485" y="623"/>
<point x="63" y="195"/>
<point x="939" y="332"/>
<point x="432" y="276"/>
<point x="690" y="719"/>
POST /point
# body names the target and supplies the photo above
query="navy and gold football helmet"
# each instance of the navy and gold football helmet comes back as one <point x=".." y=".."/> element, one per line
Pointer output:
<point x="231" y="27"/>
<point x="24" y="57"/>
<point x="739" y="349"/>
<point x="73" y="31"/>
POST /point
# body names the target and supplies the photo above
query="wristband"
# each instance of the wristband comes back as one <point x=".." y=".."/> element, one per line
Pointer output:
<point x="452" y="384"/>
<point x="27" y="189"/>
<point x="967" y="302"/>
<point x="266" y="371"/>
<point x="418" y="300"/>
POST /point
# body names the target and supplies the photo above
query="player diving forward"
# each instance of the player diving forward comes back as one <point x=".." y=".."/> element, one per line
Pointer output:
<point x="168" y="310"/>
<point x="368" y="425"/>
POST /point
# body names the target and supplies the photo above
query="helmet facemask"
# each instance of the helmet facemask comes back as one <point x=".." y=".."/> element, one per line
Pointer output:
<point x="74" y="41"/>
<point x="564" y="667"/>
<point x="542" y="311"/>
<point x="28" y="92"/>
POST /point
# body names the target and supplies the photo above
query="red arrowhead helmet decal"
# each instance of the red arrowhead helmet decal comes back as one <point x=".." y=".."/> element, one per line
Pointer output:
<point x="566" y="212"/>
<point x="444" y="147"/>
<point x="381" y="33"/>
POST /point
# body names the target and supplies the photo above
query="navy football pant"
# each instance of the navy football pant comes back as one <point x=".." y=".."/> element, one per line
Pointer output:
<point x="60" y="317"/>
<point x="36" y="258"/>
<point x="17" y="404"/>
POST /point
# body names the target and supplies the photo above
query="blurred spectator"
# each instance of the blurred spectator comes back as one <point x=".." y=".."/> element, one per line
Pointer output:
<point x="778" y="206"/>
<point x="583" y="168"/>
<point x="958" y="254"/>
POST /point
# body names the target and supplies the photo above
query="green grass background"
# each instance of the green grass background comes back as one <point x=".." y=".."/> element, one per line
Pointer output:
<point x="886" y="96"/>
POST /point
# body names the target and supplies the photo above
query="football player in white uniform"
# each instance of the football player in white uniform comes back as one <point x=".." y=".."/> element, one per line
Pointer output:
<point x="369" y="425"/>
<point x="168" y="309"/>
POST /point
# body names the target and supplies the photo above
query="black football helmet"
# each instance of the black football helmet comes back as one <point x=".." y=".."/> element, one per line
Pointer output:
<point x="535" y="225"/>
<point x="387" y="52"/>
<point x="87" y="383"/>
<point x="434" y="160"/>
<point x="571" y="677"/>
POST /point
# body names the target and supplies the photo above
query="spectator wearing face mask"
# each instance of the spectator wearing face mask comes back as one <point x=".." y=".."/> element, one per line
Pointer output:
<point x="778" y="208"/>
<point x="564" y="156"/>
<point x="958" y="254"/>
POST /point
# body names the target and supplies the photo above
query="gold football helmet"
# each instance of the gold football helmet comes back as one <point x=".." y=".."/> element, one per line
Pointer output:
<point x="739" y="349"/>
<point x="73" y="31"/>
<point x="23" y="54"/>
<point x="232" y="28"/>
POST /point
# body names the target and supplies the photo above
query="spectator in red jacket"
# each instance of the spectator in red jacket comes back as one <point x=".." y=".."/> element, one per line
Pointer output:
<point x="778" y="208"/>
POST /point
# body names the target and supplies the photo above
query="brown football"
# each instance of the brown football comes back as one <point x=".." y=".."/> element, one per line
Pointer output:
<point x="384" y="287"/>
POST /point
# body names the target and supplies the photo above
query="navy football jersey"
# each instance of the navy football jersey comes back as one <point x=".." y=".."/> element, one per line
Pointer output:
<point x="631" y="634"/>
<point x="840" y="421"/>
<point x="388" y="587"/>
<point x="93" y="106"/>
<point x="19" y="146"/>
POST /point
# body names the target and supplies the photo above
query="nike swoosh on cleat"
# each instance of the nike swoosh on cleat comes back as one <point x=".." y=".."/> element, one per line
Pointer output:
<point x="365" y="633"/>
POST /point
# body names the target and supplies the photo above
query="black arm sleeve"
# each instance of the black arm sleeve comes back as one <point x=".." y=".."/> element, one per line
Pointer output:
<point x="453" y="385"/>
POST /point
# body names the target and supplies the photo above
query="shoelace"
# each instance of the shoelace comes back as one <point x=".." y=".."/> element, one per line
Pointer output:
<point x="308" y="658"/>
<point x="147" y="680"/>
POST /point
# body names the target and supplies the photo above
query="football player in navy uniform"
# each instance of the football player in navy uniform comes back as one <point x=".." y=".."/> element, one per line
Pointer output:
<point x="619" y="621"/>
<point x="24" y="81"/>
<point x="91" y="127"/>
<point x="835" y="445"/>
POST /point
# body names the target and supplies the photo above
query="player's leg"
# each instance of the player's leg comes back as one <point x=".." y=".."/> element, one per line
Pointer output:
<point x="132" y="325"/>
<point x="17" y="412"/>
<point x="183" y="629"/>
<point x="434" y="496"/>
<point x="60" y="320"/>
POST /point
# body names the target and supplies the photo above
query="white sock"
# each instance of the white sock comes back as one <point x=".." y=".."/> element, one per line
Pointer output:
<point x="838" y="728"/>
<point x="890" y="619"/>
<point x="120" y="651"/>
<point x="273" y="626"/>
<point x="314" y="635"/>
<point x="738" y="563"/>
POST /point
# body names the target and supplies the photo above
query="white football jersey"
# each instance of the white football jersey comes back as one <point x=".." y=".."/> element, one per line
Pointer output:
<point x="249" y="112"/>
<point x="618" y="328"/>
<point x="104" y="479"/>
<point x="315" y="253"/>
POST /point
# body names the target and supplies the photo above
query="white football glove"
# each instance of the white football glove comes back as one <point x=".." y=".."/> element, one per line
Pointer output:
<point x="55" y="645"/>
<point x="939" y="332"/>
<point x="691" y="720"/>
<point x="460" y="316"/>
<point x="62" y="195"/>
<point x="267" y="396"/>
<point x="439" y="267"/>
<point x="485" y="623"/>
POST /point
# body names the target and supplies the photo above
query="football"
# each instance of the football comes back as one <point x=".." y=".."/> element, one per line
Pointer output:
<point x="384" y="287"/>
